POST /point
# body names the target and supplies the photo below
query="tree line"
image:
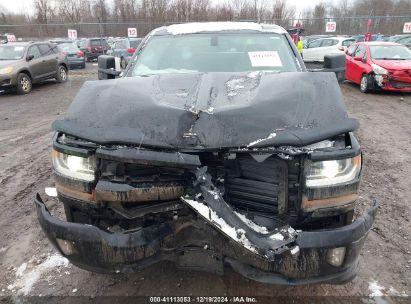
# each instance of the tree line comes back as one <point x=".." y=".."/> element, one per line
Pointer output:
<point x="112" y="17"/>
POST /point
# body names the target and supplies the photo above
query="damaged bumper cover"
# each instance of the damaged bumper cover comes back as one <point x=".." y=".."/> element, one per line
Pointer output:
<point x="94" y="249"/>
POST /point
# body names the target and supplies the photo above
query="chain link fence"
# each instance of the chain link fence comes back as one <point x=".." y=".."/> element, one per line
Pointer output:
<point x="388" y="25"/>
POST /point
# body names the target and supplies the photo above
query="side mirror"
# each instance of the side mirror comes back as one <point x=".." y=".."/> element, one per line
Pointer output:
<point x="107" y="67"/>
<point x="29" y="57"/>
<point x="346" y="51"/>
<point x="334" y="63"/>
<point x="358" y="58"/>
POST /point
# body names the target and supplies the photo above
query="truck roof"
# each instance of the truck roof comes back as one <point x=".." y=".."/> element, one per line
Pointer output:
<point x="201" y="27"/>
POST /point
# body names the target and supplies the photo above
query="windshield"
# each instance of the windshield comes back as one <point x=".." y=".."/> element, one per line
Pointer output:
<point x="390" y="52"/>
<point x="11" y="52"/>
<point x="215" y="53"/>
<point x="68" y="47"/>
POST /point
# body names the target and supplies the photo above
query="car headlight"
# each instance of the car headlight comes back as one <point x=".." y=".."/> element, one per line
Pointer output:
<point x="81" y="168"/>
<point x="6" y="70"/>
<point x="333" y="172"/>
<point x="379" y="69"/>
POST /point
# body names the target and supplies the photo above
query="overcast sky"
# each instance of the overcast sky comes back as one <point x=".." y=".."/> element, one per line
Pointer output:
<point x="26" y="6"/>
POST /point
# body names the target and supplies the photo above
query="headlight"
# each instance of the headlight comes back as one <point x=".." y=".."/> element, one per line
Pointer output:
<point x="81" y="168"/>
<point x="378" y="69"/>
<point x="333" y="172"/>
<point x="6" y="70"/>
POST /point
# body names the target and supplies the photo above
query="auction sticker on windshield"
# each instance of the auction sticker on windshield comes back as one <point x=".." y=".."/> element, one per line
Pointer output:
<point x="265" y="59"/>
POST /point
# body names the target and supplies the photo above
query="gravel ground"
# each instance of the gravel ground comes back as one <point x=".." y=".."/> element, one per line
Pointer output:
<point x="31" y="266"/>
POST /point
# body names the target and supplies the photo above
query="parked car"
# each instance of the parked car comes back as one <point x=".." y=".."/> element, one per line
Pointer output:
<point x="379" y="66"/>
<point x="374" y="37"/>
<point x="215" y="147"/>
<point x="94" y="47"/>
<point x="61" y="41"/>
<point x="78" y="41"/>
<point x="401" y="39"/>
<point x="308" y="39"/>
<point x="317" y="49"/>
<point x="75" y="57"/>
<point x="25" y="63"/>
<point x="7" y="37"/>
<point x="124" y="49"/>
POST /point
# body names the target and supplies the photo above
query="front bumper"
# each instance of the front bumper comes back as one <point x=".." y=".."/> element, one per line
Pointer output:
<point x="94" y="55"/>
<point x="73" y="62"/>
<point x="96" y="250"/>
<point x="7" y="81"/>
<point x="399" y="83"/>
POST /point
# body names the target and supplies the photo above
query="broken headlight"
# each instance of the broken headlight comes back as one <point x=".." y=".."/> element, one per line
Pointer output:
<point x="81" y="168"/>
<point x="379" y="70"/>
<point x="333" y="172"/>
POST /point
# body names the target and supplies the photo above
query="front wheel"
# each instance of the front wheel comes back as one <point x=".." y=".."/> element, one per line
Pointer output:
<point x="23" y="84"/>
<point x="61" y="74"/>
<point x="367" y="83"/>
<point x="364" y="84"/>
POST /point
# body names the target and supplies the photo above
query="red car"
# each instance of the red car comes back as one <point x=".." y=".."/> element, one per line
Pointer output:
<point x="379" y="65"/>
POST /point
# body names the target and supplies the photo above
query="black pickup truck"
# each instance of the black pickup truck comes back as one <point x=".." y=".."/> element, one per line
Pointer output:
<point x="215" y="148"/>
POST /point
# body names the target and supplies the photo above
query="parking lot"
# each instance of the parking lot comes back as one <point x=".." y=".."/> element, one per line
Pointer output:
<point x="25" y="169"/>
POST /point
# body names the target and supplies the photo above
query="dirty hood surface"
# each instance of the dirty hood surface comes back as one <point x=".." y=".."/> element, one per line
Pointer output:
<point x="209" y="111"/>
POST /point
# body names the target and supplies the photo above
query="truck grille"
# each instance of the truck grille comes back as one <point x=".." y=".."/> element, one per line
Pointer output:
<point x="269" y="188"/>
<point x="258" y="186"/>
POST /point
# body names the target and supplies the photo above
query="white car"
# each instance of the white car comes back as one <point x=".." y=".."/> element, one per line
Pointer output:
<point x="317" y="49"/>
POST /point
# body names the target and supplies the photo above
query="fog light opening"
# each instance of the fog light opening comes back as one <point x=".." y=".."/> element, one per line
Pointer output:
<point x="336" y="256"/>
<point x="65" y="246"/>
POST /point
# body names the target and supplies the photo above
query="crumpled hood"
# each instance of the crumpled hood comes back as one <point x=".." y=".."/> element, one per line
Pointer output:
<point x="394" y="64"/>
<point x="209" y="111"/>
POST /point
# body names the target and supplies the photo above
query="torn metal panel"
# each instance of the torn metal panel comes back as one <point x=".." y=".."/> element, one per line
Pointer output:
<point x="117" y="192"/>
<point x="212" y="207"/>
<point x="150" y="111"/>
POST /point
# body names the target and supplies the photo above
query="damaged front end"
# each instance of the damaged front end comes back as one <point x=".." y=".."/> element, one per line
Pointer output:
<point x="389" y="80"/>
<point x="281" y="215"/>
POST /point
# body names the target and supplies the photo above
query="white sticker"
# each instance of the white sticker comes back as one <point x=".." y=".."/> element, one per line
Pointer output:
<point x="19" y="48"/>
<point x="265" y="59"/>
<point x="51" y="191"/>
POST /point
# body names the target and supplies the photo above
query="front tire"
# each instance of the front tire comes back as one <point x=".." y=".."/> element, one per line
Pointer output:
<point x="61" y="74"/>
<point x="24" y="84"/>
<point x="364" y="84"/>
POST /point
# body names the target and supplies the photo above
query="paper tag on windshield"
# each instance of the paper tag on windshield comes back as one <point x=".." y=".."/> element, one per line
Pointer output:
<point x="265" y="59"/>
<point x="19" y="48"/>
